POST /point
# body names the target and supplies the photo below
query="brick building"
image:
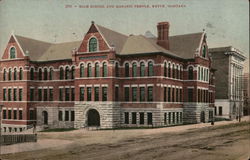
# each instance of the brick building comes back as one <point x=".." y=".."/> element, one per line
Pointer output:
<point x="229" y="63"/>
<point x="108" y="80"/>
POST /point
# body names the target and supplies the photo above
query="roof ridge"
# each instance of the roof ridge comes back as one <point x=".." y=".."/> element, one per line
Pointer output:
<point x="31" y="39"/>
<point x="187" y="34"/>
<point x="111" y="30"/>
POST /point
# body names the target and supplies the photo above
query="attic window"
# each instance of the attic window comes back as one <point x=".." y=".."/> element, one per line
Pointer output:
<point x="12" y="52"/>
<point x="92" y="45"/>
<point x="204" y="51"/>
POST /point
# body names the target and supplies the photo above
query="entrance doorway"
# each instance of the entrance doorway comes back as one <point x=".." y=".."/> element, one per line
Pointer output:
<point x="202" y="116"/>
<point x="93" y="118"/>
<point x="45" y="117"/>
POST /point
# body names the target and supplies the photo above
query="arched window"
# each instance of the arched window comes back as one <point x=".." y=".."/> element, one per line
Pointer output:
<point x="20" y="74"/>
<point x="204" y="51"/>
<point x="165" y="69"/>
<point x="32" y="74"/>
<point x="61" y="73"/>
<point x="126" y="70"/>
<point x="72" y="72"/>
<point x="150" y="69"/>
<point x="181" y="74"/>
<point x="92" y="45"/>
<point x="15" y="74"/>
<point x="40" y="74"/>
<point x="45" y="74"/>
<point x="134" y="69"/>
<point x="104" y="69"/>
<point x="97" y="70"/>
<point x="190" y="73"/>
<point x="50" y="74"/>
<point x="173" y="71"/>
<point x="89" y="74"/>
<point x="67" y="72"/>
<point x="142" y="69"/>
<point x="116" y="69"/>
<point x="12" y="53"/>
<point x="81" y="70"/>
<point x="169" y="70"/>
<point x="4" y="74"/>
<point x="10" y="74"/>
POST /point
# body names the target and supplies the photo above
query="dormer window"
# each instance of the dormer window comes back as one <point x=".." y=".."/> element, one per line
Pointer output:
<point x="93" y="45"/>
<point x="12" y="52"/>
<point x="204" y="51"/>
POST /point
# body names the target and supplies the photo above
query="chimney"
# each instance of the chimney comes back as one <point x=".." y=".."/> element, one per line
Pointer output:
<point x="163" y="34"/>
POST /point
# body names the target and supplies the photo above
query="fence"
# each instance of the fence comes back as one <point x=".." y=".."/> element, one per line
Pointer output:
<point x="18" y="138"/>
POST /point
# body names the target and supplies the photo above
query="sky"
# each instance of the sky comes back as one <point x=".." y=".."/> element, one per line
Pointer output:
<point x="226" y="22"/>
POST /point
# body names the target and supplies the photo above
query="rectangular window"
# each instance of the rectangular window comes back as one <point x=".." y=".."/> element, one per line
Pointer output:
<point x="60" y="94"/>
<point x="104" y="93"/>
<point x="89" y="93"/>
<point x="31" y="114"/>
<point x="165" y="94"/>
<point x="126" y="93"/>
<point x="173" y="114"/>
<point x="66" y="115"/>
<point x="177" y="117"/>
<point x="9" y="114"/>
<point x="51" y="94"/>
<point x="96" y="93"/>
<point x="20" y="94"/>
<point x="45" y="94"/>
<point x="180" y="116"/>
<point x="14" y="94"/>
<point x="165" y="118"/>
<point x="150" y="94"/>
<point x="190" y="94"/>
<point x="72" y="116"/>
<point x="15" y="114"/>
<point x="169" y="94"/>
<point x="150" y="118"/>
<point x="4" y="114"/>
<point x="81" y="93"/>
<point x="142" y="94"/>
<point x="134" y="94"/>
<point x="177" y="95"/>
<point x="39" y="94"/>
<point x="181" y="95"/>
<point x="72" y="94"/>
<point x="215" y="110"/>
<point x="133" y="117"/>
<point x="67" y="94"/>
<point x="220" y="110"/>
<point x="116" y="93"/>
<point x="20" y="114"/>
<point x="126" y="118"/>
<point x="60" y="115"/>
<point x="173" y="94"/>
<point x="9" y="94"/>
<point x="4" y="94"/>
<point x="169" y="117"/>
<point x="141" y="118"/>
<point x="31" y="94"/>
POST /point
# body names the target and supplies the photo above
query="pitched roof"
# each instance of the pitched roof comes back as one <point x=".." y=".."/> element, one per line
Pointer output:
<point x="113" y="38"/>
<point x="186" y="45"/>
<point x="141" y="45"/>
<point x="44" y="51"/>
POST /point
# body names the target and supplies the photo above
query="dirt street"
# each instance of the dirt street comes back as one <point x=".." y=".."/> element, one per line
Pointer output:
<point x="223" y="142"/>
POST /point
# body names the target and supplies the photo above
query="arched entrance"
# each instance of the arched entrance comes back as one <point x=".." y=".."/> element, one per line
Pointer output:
<point x="93" y="118"/>
<point x="45" y="117"/>
<point x="202" y="116"/>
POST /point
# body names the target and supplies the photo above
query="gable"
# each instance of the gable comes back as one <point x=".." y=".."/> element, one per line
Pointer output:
<point x="13" y="43"/>
<point x="93" y="32"/>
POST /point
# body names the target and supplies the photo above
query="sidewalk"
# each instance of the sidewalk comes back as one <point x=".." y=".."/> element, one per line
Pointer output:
<point x="49" y="143"/>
